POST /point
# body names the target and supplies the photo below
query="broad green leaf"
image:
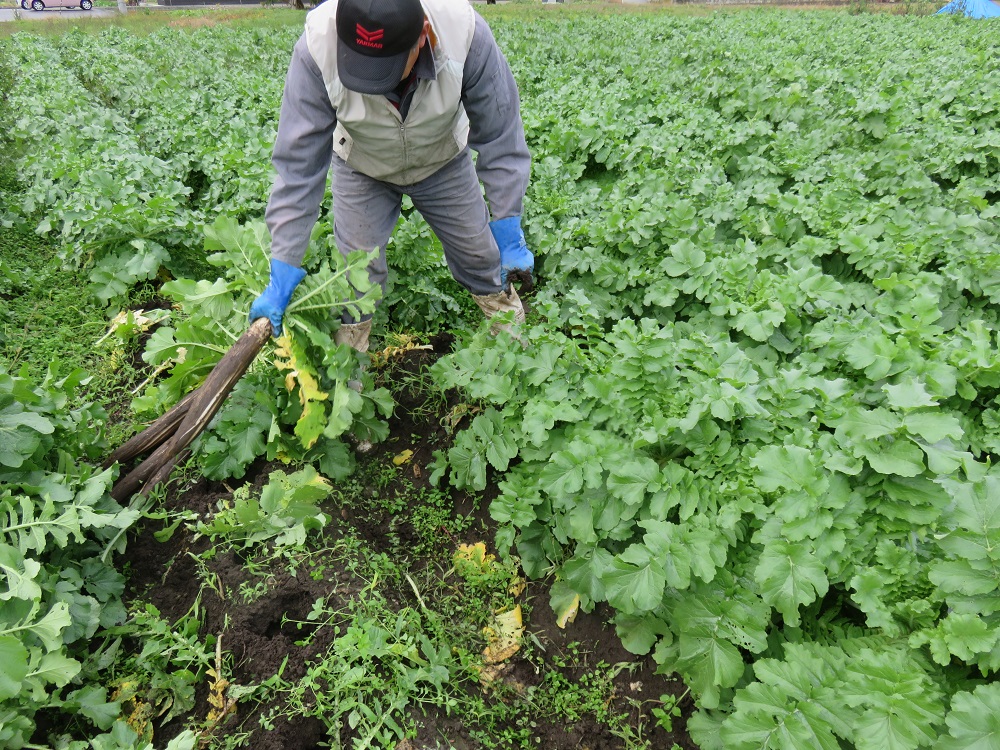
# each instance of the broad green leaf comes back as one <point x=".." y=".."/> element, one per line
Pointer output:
<point x="790" y="576"/>
<point x="20" y="581"/>
<point x="866" y="424"/>
<point x="973" y="721"/>
<point x="631" y="480"/>
<point x="188" y="740"/>
<point x="211" y="298"/>
<point x="666" y="544"/>
<point x="13" y="666"/>
<point x="247" y="444"/>
<point x="585" y="570"/>
<point x="55" y="668"/>
<point x="707" y="662"/>
<point x="577" y="522"/>
<point x="19" y="434"/>
<point x="563" y="475"/>
<point x="334" y="458"/>
<point x="933" y="426"/>
<point x="344" y="403"/>
<point x="791" y="706"/>
<point x="916" y="499"/>
<point x="901" y="704"/>
<point x="908" y="394"/>
<point x="893" y="456"/>
<point x="499" y="447"/>
<point x="121" y="736"/>
<point x="962" y="577"/>
<point x="515" y="506"/>
<point x="958" y="634"/>
<point x="784" y="730"/>
<point x="685" y="257"/>
<point x="784" y="467"/>
<point x="540" y="417"/>
<point x="705" y="727"/>
<point x="944" y="461"/>
<point x="242" y="250"/>
<point x="640" y="634"/>
<point x="635" y="581"/>
<point x="872" y="353"/>
<point x="117" y="272"/>
<point x="468" y="467"/>
<point x="760" y="324"/>
<point x="885" y="730"/>
<point x="539" y="367"/>
<point x="50" y="627"/>
<point x="974" y="520"/>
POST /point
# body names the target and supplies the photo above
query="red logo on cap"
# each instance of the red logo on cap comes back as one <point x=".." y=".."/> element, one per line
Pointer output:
<point x="368" y="38"/>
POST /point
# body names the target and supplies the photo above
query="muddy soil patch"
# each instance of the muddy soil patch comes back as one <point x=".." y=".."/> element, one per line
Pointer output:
<point x="262" y="617"/>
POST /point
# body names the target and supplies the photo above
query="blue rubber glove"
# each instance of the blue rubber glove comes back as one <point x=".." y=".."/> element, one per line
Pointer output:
<point x="514" y="252"/>
<point x="275" y="297"/>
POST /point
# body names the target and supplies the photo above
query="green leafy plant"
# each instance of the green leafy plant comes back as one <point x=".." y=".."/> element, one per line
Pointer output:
<point x="751" y="414"/>
<point x="60" y="532"/>
<point x="159" y="681"/>
<point x="313" y="399"/>
<point x="755" y="416"/>
<point x="668" y="710"/>
<point x="380" y="663"/>
<point x="286" y="510"/>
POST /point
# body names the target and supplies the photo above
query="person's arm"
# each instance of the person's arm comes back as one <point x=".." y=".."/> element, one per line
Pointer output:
<point x="302" y="152"/>
<point x="496" y="132"/>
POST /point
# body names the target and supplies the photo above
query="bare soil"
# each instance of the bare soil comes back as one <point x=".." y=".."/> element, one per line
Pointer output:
<point x="259" y="643"/>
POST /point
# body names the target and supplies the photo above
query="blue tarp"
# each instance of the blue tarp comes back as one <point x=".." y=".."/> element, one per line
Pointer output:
<point x="973" y="8"/>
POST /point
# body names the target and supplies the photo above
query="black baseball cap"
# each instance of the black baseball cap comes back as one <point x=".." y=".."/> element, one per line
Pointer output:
<point x="374" y="40"/>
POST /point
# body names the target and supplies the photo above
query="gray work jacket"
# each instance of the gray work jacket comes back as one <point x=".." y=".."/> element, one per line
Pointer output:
<point x="304" y="144"/>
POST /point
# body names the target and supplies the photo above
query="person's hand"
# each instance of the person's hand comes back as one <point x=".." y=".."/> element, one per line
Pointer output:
<point x="515" y="257"/>
<point x="275" y="297"/>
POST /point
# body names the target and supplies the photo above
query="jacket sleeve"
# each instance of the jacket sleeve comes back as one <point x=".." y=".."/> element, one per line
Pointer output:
<point x="302" y="153"/>
<point x="496" y="133"/>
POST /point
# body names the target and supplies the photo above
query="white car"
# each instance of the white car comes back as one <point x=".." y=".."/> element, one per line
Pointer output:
<point x="43" y="4"/>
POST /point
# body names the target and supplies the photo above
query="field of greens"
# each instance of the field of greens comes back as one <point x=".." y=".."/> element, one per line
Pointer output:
<point x="755" y="422"/>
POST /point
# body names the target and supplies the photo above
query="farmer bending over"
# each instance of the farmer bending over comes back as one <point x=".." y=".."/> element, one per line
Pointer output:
<point x="397" y="93"/>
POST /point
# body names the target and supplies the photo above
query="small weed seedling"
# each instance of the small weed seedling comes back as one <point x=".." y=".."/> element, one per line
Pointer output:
<point x="668" y="710"/>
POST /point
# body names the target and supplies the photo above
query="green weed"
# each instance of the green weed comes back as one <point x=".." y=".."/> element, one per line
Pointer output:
<point x="160" y="680"/>
<point x="429" y="399"/>
<point x="668" y="710"/>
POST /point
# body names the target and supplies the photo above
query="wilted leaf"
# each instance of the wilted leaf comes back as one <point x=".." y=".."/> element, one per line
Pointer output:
<point x="403" y="457"/>
<point x="503" y="636"/>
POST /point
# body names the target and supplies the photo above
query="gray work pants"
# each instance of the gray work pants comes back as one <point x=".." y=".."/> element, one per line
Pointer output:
<point x="365" y="212"/>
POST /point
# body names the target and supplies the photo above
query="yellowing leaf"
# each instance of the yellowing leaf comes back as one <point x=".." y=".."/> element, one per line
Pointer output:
<point x="568" y="612"/>
<point x="492" y="672"/>
<point x="402" y="458"/>
<point x="458" y="413"/>
<point x="475" y="554"/>
<point x="133" y="320"/>
<point x="517" y="586"/>
<point x="290" y="357"/>
<point x="217" y="696"/>
<point x="220" y="705"/>
<point x="311" y="424"/>
<point x="406" y="343"/>
<point x="137" y="713"/>
<point x="504" y="636"/>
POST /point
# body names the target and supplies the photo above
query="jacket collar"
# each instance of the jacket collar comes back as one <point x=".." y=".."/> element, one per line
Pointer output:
<point x="424" y="67"/>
